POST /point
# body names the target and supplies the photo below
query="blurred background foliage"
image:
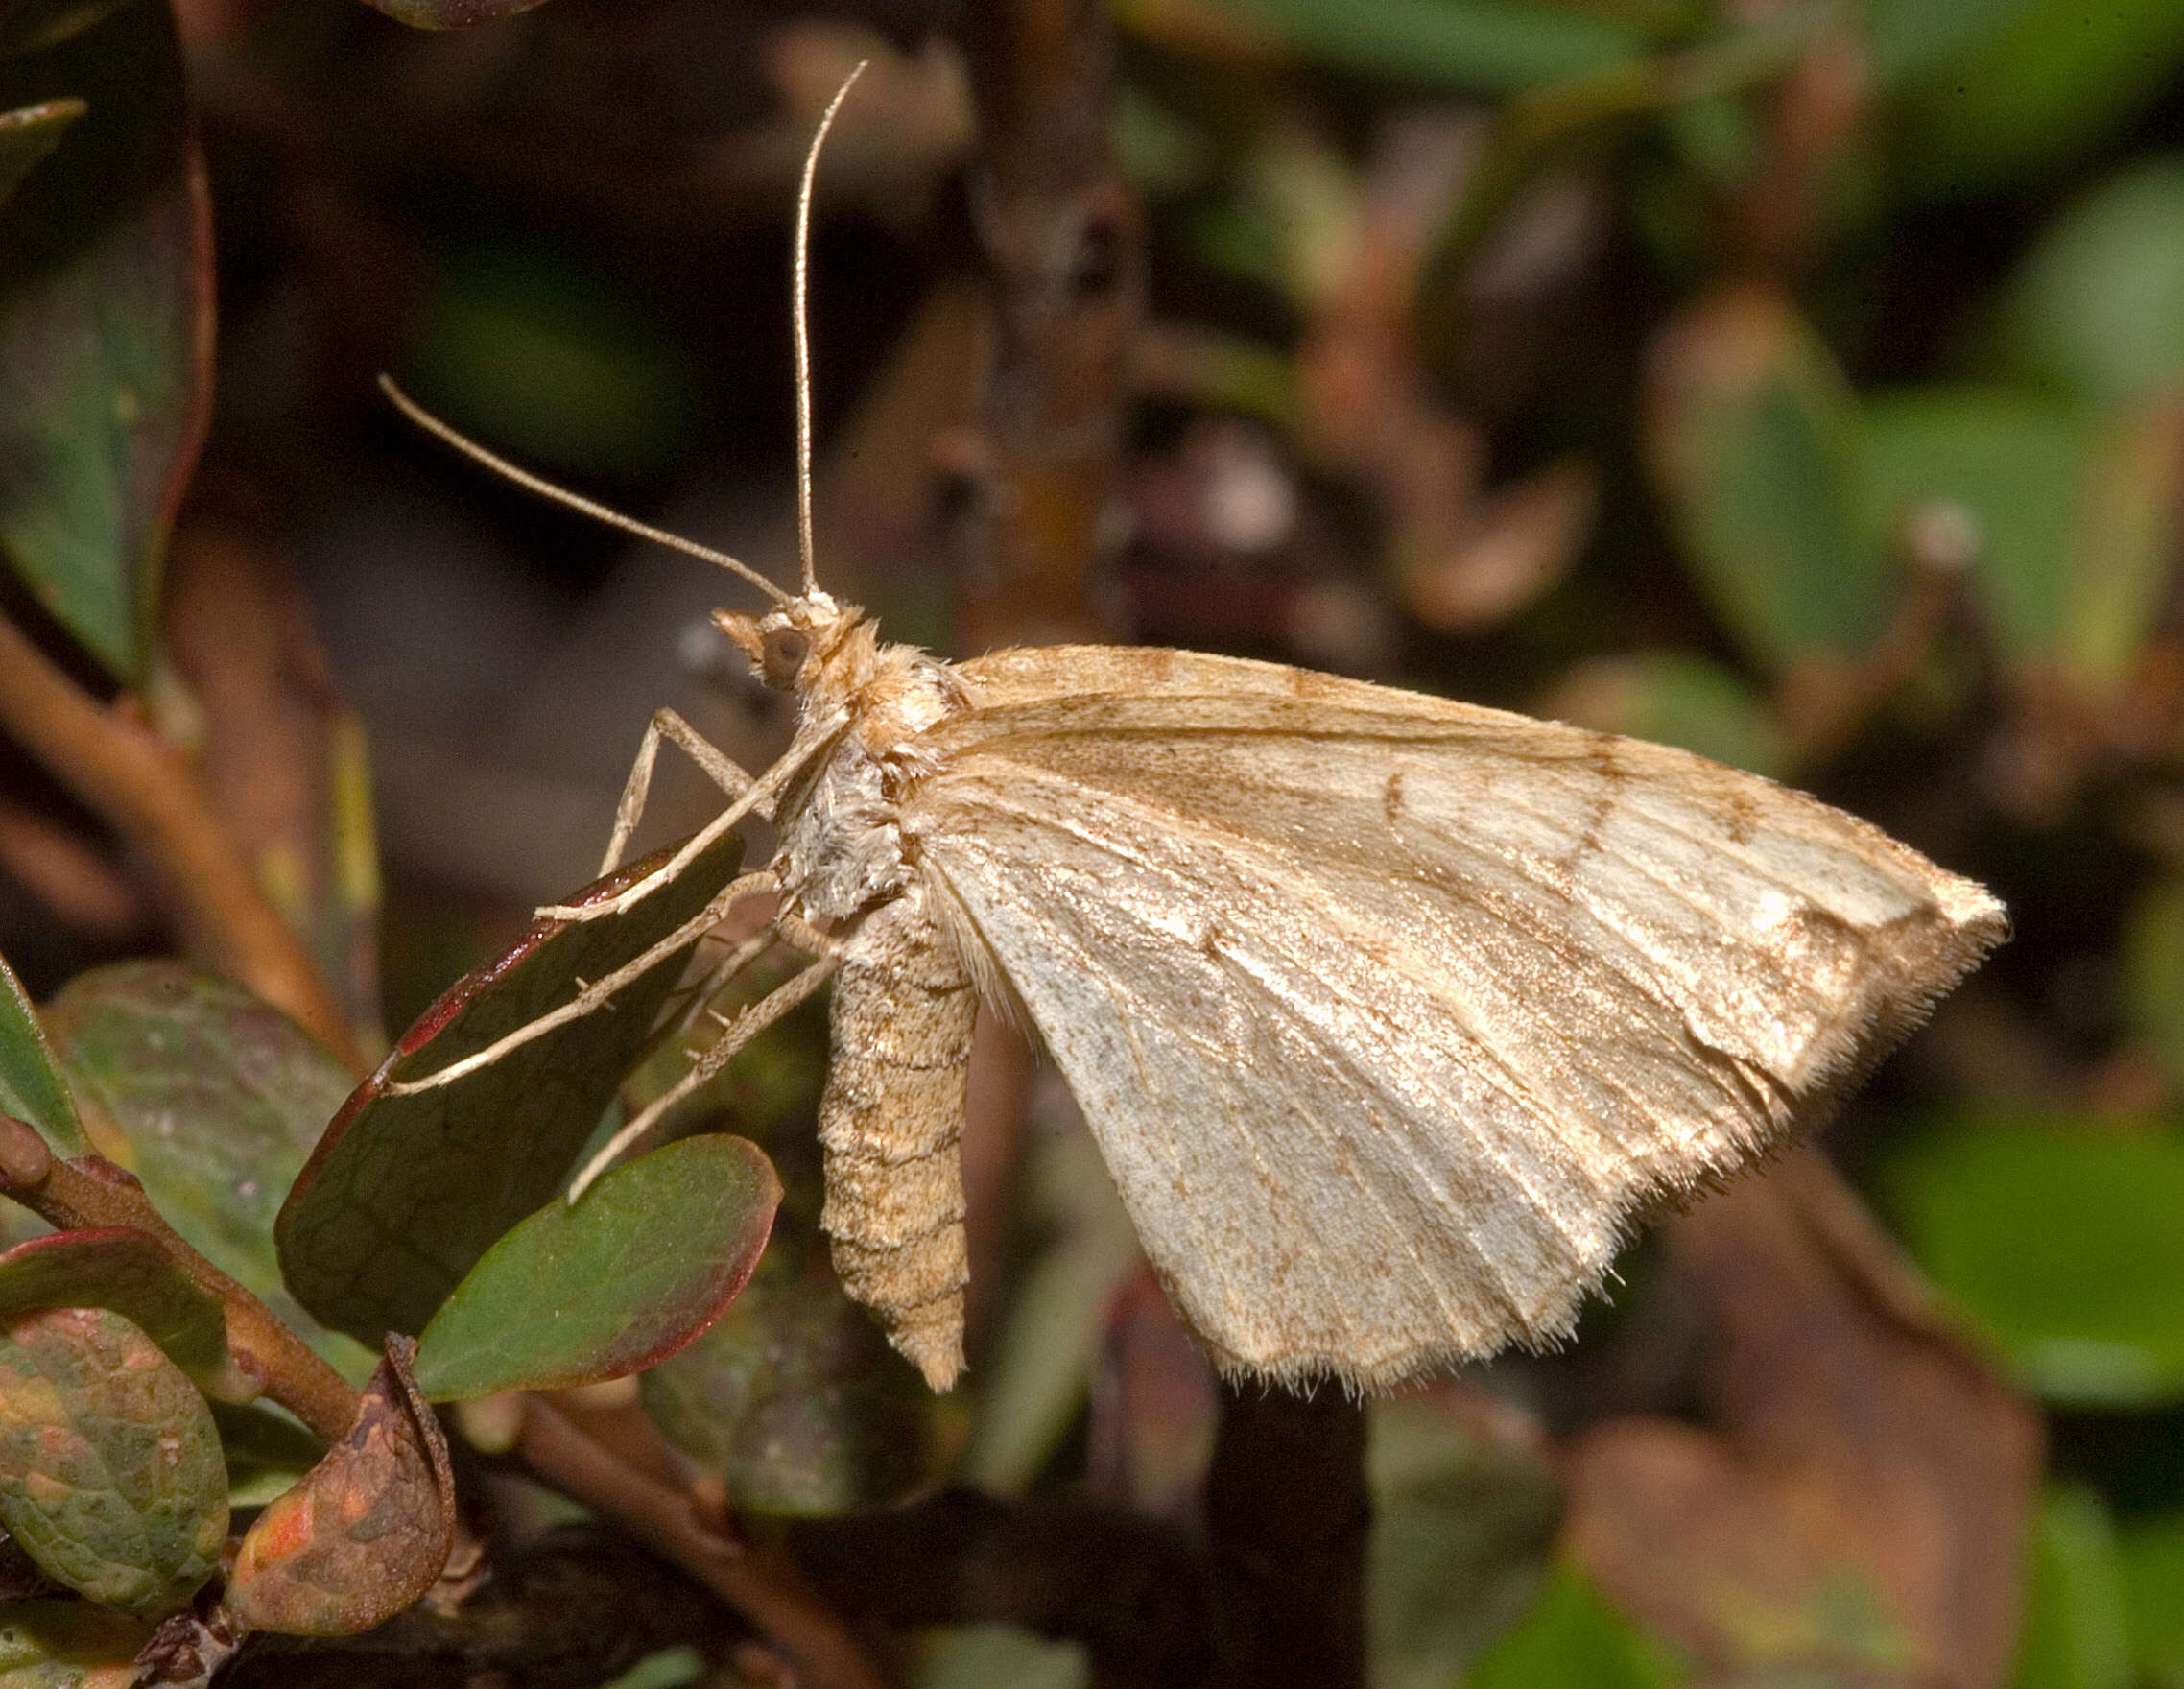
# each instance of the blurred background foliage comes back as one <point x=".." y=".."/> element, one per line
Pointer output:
<point x="1798" y="381"/>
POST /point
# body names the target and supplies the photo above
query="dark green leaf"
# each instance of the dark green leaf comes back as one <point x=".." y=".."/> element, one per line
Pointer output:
<point x="134" y="1276"/>
<point x="218" y="1098"/>
<point x="1461" y="1533"/>
<point x="267" y="1450"/>
<point x="28" y="135"/>
<point x="1570" y="1636"/>
<point x="1754" y="436"/>
<point x="106" y="332"/>
<point x="2074" y="1634"/>
<point x="2062" y="1241"/>
<point x="794" y="1399"/>
<point x="30" y="1086"/>
<point x="67" y="1644"/>
<point x="578" y="1293"/>
<point x="1475" y="46"/>
<point x="2153" y="971"/>
<point x="109" y="1463"/>
<point x="366" y="1533"/>
<point x="405" y="1193"/>
<point x="2043" y="89"/>
<point x="2152" y="1549"/>
<point x="979" y="1657"/>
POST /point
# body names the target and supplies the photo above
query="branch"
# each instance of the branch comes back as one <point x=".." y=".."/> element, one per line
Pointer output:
<point x="93" y="1193"/>
<point x="148" y="790"/>
<point x="759" y="1584"/>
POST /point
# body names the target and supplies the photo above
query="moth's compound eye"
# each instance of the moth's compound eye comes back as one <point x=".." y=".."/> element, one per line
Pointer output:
<point x="783" y="656"/>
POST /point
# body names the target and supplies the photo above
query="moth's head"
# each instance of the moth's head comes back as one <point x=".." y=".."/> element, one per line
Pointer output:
<point x="783" y="640"/>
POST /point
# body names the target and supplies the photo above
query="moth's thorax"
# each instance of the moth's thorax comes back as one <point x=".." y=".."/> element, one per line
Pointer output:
<point x="842" y="843"/>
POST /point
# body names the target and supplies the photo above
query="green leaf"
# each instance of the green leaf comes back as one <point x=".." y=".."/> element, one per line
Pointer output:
<point x="129" y="1273"/>
<point x="1672" y="697"/>
<point x="2074" y="1634"/>
<point x="1571" y="1635"/>
<point x="110" y="1463"/>
<point x="450" y="15"/>
<point x="32" y="26"/>
<point x="1472" y="46"/>
<point x="2052" y="82"/>
<point x="366" y="1532"/>
<point x="218" y="1098"/>
<point x="1461" y="1533"/>
<point x="2153" y="971"/>
<point x="106" y="333"/>
<point x="2152" y="1551"/>
<point x="2061" y="1241"/>
<point x="598" y="1288"/>
<point x="984" y="1656"/>
<point x="28" y="133"/>
<point x="30" y="1086"/>
<point x="405" y="1193"/>
<point x="67" y="1644"/>
<point x="1755" y="437"/>
<point x="2096" y="307"/>
<point x="794" y="1399"/>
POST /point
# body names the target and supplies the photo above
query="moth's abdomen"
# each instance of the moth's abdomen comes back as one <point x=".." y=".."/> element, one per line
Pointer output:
<point x="892" y="1123"/>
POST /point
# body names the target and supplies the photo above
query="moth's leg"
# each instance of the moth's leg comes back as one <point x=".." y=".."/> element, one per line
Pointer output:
<point x="702" y="993"/>
<point x="600" y="991"/>
<point x="736" y="1034"/>
<point x="721" y="769"/>
<point x="755" y="797"/>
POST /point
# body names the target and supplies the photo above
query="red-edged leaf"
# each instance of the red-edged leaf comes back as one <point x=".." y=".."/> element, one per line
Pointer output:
<point x="366" y="1532"/>
<point x="105" y="331"/>
<point x="598" y="1289"/>
<point x="110" y="1463"/>
<point x="134" y="1276"/>
<point x="405" y="1193"/>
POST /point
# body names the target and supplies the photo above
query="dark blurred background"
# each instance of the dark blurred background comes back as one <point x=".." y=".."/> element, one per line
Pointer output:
<point x="1800" y="382"/>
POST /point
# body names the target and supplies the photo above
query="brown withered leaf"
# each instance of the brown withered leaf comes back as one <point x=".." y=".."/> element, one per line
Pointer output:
<point x="367" y="1530"/>
<point x="1858" y="1503"/>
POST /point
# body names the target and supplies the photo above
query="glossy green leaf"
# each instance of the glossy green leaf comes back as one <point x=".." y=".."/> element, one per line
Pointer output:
<point x="405" y="1193"/>
<point x="1474" y="46"/>
<point x="106" y="332"/>
<point x="1755" y="438"/>
<point x="1571" y="1635"/>
<point x="2046" y="87"/>
<point x="2074" y="1634"/>
<point x="793" y="1400"/>
<point x="2152" y="1554"/>
<point x="1461" y="1533"/>
<point x="366" y="1533"/>
<point x="579" y="1292"/>
<point x="1672" y="698"/>
<point x="2061" y="1240"/>
<point x="267" y="1450"/>
<point x="110" y="1463"/>
<point x="134" y="1276"/>
<point x="30" y="1086"/>
<point x="218" y="1096"/>
<point x="28" y="133"/>
<point x="2097" y="308"/>
<point x="67" y="1644"/>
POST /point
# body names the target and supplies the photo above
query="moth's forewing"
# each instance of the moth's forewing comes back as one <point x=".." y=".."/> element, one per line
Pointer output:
<point x="1390" y="1013"/>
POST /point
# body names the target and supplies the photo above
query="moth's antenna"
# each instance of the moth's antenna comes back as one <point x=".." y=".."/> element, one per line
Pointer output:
<point x="562" y="495"/>
<point x="802" y="330"/>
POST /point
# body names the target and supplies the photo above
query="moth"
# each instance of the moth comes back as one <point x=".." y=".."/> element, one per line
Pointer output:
<point x="1390" y="1015"/>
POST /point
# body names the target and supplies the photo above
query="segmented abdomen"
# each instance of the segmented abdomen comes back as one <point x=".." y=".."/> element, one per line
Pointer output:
<point x="892" y="1123"/>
